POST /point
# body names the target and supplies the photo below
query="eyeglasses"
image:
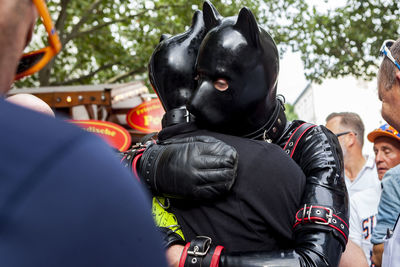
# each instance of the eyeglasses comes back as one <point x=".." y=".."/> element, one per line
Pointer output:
<point x="386" y="52"/>
<point x="34" y="61"/>
<point x="344" y="133"/>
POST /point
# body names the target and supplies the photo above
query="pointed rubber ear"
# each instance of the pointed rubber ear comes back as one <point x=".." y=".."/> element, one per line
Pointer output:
<point x="197" y="20"/>
<point x="211" y="16"/>
<point x="164" y="36"/>
<point x="246" y="23"/>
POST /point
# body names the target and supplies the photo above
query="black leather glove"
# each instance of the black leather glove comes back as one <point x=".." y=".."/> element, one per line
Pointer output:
<point x="201" y="167"/>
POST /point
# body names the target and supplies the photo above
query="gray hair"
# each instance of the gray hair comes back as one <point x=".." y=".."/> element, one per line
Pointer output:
<point x="387" y="70"/>
<point x="352" y="121"/>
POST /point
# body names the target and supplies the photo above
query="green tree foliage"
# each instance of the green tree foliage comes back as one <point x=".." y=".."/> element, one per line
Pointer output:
<point x="345" y="40"/>
<point x="107" y="41"/>
<point x="290" y="114"/>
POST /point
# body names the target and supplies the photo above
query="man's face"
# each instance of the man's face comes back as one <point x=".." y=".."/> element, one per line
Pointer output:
<point x="390" y="104"/>
<point x="387" y="154"/>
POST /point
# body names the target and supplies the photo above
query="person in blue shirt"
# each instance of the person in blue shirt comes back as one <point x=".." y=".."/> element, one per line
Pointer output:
<point x="389" y="206"/>
<point x="65" y="200"/>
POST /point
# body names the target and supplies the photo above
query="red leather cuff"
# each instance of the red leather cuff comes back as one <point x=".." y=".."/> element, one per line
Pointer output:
<point x="200" y="252"/>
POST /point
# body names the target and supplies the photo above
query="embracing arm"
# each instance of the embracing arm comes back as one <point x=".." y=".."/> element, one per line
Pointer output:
<point x="320" y="157"/>
<point x="201" y="167"/>
<point x="321" y="229"/>
<point x="320" y="237"/>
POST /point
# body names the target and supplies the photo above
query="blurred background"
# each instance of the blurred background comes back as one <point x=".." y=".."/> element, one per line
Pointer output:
<point x="329" y="54"/>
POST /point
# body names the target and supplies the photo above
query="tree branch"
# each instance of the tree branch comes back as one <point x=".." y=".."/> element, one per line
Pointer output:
<point x="96" y="28"/>
<point x="84" y="77"/>
<point x="83" y="20"/>
<point x="62" y="17"/>
<point x="124" y="75"/>
<point x="76" y="34"/>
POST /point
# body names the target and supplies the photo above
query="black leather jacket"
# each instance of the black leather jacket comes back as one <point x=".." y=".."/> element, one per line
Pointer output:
<point x="321" y="228"/>
<point x="317" y="243"/>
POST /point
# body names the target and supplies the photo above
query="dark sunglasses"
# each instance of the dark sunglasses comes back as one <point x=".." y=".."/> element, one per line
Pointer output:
<point x="34" y="61"/>
<point x="386" y="52"/>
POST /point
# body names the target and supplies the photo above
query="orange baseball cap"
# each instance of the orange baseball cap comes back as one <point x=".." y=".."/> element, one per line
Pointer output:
<point x="384" y="130"/>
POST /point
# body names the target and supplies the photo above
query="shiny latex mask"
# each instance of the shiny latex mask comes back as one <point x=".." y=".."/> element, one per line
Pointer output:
<point x="172" y="65"/>
<point x="237" y="70"/>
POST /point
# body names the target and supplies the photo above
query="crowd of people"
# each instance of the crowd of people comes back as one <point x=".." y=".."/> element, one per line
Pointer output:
<point x="363" y="175"/>
<point x="233" y="182"/>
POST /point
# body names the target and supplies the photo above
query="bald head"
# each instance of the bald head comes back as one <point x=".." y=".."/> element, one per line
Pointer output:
<point x="32" y="102"/>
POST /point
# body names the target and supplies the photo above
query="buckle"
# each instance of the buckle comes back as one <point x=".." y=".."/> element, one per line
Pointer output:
<point x="187" y="115"/>
<point x="206" y="246"/>
<point x="329" y="216"/>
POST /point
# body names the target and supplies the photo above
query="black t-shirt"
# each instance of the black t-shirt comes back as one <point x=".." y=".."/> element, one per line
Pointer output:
<point x="259" y="212"/>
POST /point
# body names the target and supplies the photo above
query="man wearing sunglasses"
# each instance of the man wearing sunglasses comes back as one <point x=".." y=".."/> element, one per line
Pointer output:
<point x="360" y="171"/>
<point x="389" y="205"/>
<point x="64" y="201"/>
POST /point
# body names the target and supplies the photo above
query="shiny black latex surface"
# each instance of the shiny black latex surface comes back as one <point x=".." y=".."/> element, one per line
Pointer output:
<point x="246" y="70"/>
<point x="320" y="157"/>
<point x="245" y="56"/>
<point x="171" y="67"/>
<point x="171" y="71"/>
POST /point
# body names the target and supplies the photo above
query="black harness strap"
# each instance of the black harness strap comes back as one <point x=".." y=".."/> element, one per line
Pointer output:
<point x="294" y="139"/>
<point x="323" y="216"/>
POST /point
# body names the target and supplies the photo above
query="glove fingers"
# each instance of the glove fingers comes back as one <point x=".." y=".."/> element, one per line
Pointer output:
<point x="199" y="167"/>
<point x="193" y="139"/>
<point x="205" y="162"/>
<point x="219" y="178"/>
<point x="210" y="189"/>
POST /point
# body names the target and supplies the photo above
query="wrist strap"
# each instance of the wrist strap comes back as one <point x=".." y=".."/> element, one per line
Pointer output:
<point x="130" y="158"/>
<point x="148" y="169"/>
<point x="200" y="253"/>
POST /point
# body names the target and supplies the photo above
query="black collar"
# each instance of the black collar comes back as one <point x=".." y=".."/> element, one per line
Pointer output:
<point x="175" y="116"/>
<point x="273" y="129"/>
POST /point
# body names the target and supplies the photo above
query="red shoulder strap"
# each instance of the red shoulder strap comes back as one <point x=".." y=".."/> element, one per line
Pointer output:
<point x="294" y="139"/>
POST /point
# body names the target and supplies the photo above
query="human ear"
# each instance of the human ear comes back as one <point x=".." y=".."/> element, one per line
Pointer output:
<point x="398" y="76"/>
